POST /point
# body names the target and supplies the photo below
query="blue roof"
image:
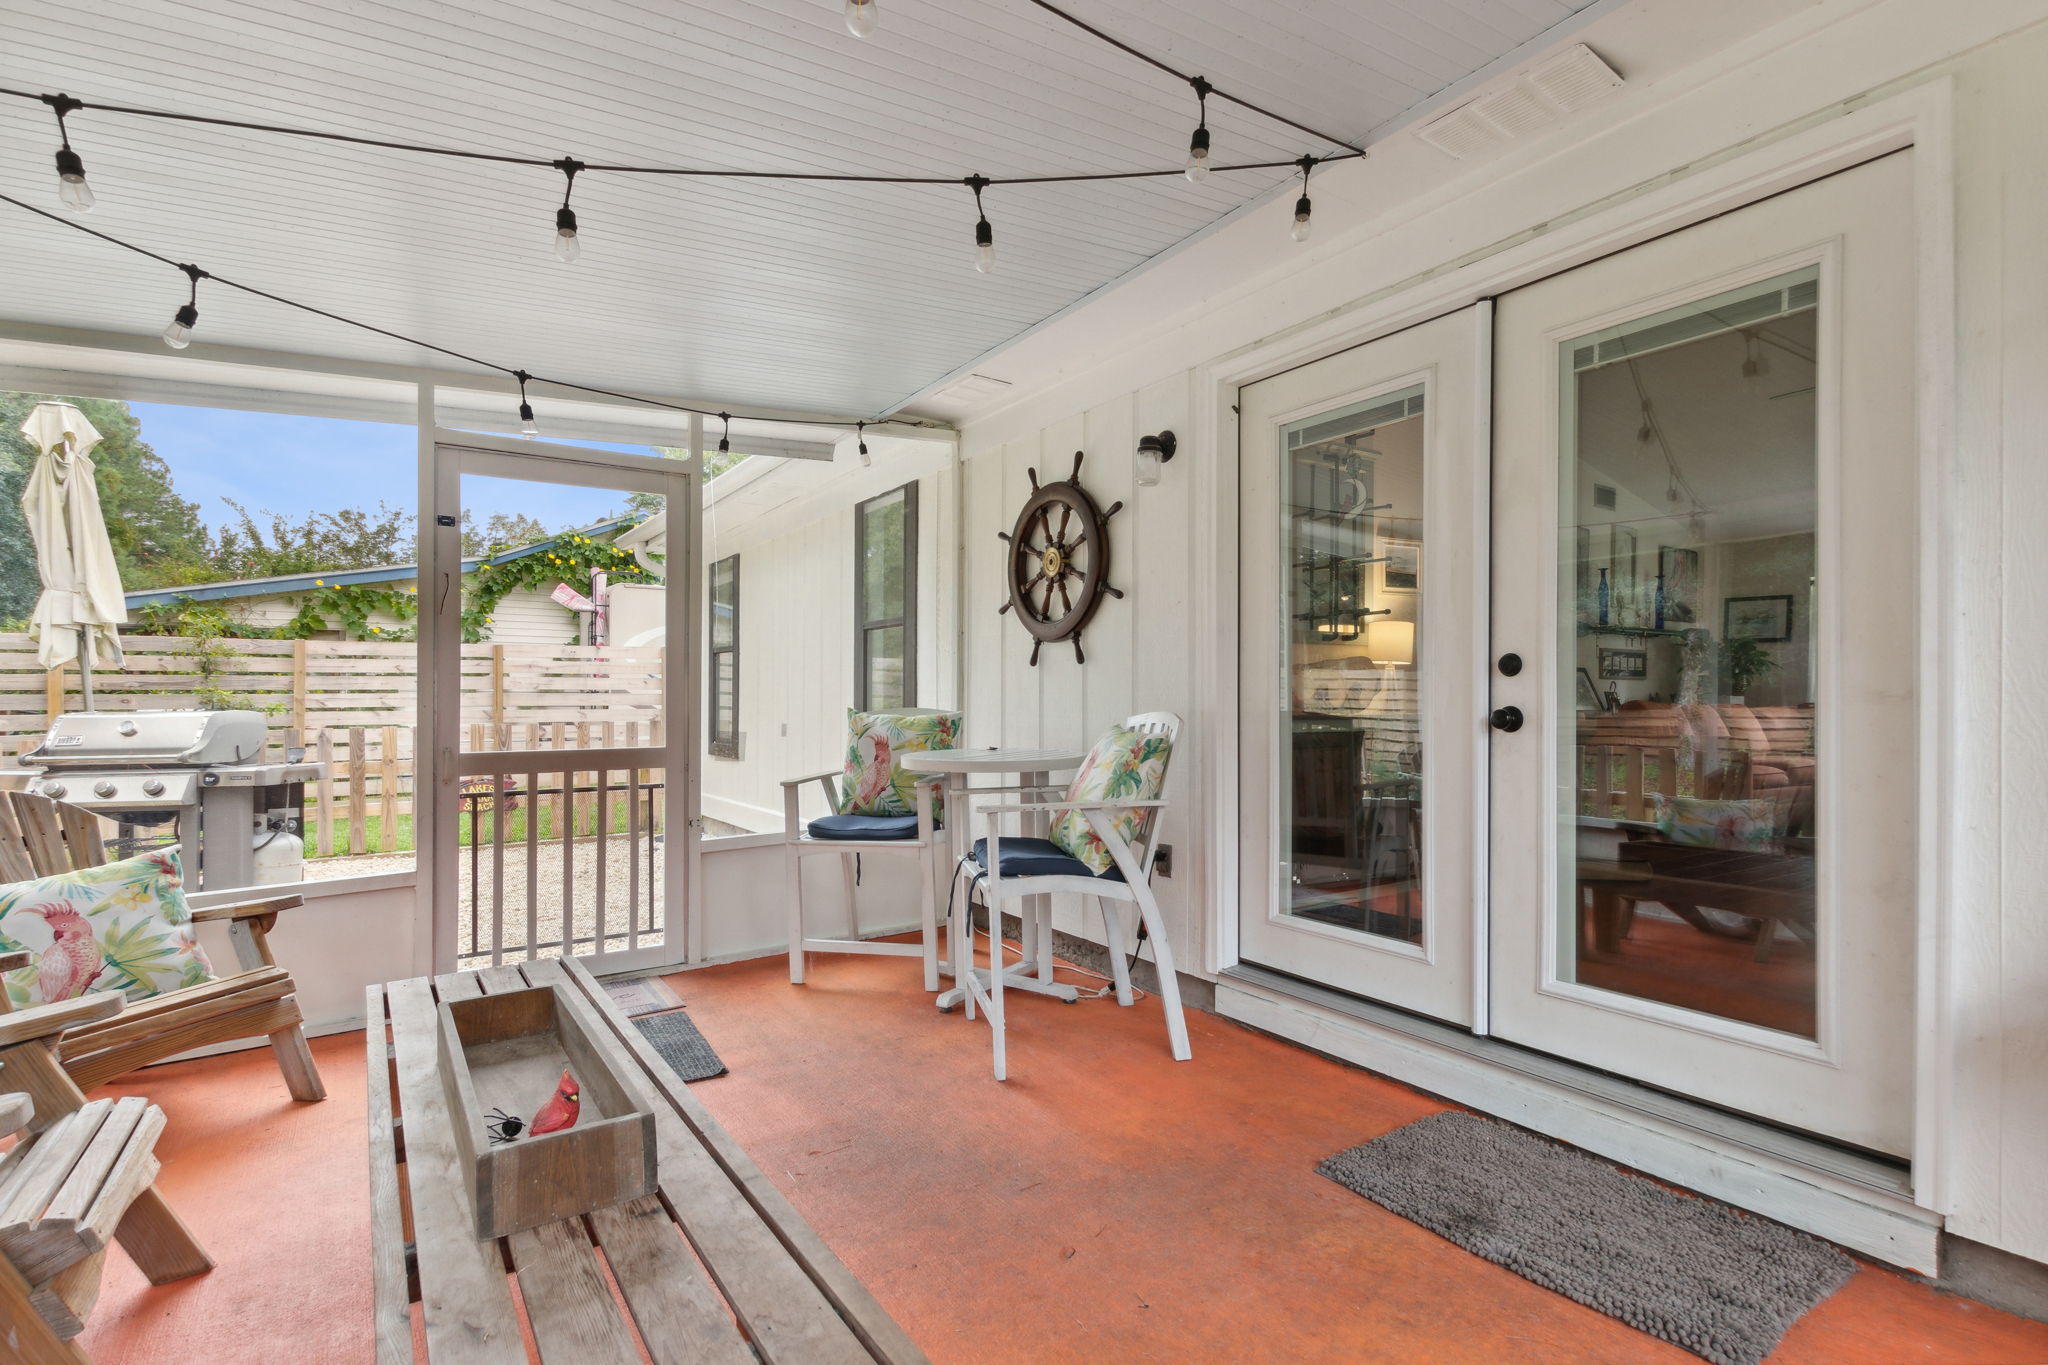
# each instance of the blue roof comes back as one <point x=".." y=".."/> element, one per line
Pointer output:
<point x="386" y="573"/>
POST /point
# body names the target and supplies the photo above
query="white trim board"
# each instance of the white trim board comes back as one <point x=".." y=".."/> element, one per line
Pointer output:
<point x="1844" y="1208"/>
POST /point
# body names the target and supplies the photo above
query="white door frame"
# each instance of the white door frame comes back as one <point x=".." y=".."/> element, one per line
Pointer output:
<point x="1951" y="870"/>
<point x="440" y="676"/>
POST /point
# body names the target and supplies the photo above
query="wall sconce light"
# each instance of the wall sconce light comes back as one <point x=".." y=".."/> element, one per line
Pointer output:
<point x="1154" y="451"/>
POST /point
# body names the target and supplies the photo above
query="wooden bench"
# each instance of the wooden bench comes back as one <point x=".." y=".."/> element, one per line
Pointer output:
<point x="715" y="1269"/>
<point x="43" y="838"/>
<point x="84" y="1177"/>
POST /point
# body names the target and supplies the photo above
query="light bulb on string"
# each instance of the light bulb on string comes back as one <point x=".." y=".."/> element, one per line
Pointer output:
<point x="178" y="335"/>
<point x="860" y="432"/>
<point x="72" y="190"/>
<point x="1300" y="230"/>
<point x="1198" y="145"/>
<point x="984" y="235"/>
<point x="567" y="246"/>
<point x="860" y="17"/>
<point x="725" y="439"/>
<point x="527" y="426"/>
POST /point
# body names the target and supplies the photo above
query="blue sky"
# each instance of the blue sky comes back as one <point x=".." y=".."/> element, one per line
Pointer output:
<point x="270" y="462"/>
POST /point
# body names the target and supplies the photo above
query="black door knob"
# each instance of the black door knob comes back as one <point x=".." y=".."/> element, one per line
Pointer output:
<point x="1508" y="718"/>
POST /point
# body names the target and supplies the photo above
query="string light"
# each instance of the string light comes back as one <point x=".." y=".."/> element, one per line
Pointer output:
<point x="527" y="426"/>
<point x="860" y="431"/>
<point x="984" y="235"/>
<point x="1301" y="206"/>
<point x="566" y="245"/>
<point x="1198" y="145"/>
<point x="178" y="335"/>
<point x="725" y="440"/>
<point x="72" y="188"/>
<point x="860" y="17"/>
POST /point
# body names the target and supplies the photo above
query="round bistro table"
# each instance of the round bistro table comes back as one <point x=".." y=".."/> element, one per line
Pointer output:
<point x="1031" y="768"/>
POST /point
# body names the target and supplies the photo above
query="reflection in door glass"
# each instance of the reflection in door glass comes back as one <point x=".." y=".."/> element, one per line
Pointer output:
<point x="1352" y="742"/>
<point x="1688" y="593"/>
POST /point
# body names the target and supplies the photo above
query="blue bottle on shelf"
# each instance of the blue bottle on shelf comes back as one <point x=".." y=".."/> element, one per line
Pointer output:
<point x="1603" y="597"/>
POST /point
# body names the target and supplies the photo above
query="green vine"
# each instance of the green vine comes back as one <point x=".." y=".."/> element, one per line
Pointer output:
<point x="348" y="607"/>
<point x="570" y="558"/>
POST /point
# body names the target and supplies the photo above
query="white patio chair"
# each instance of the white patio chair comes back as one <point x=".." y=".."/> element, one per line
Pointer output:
<point x="1015" y="867"/>
<point x="849" y="837"/>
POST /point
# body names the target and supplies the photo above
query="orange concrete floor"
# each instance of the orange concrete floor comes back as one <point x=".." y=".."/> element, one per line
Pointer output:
<point x="1106" y="1204"/>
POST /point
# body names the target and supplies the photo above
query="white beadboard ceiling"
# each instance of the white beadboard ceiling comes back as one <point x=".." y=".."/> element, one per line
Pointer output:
<point x="813" y="297"/>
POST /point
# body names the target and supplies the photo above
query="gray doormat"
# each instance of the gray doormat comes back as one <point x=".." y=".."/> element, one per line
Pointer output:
<point x="638" y="995"/>
<point x="676" y="1038"/>
<point x="1697" y="1273"/>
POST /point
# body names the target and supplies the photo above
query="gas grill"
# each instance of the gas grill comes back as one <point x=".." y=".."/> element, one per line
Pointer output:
<point x="194" y="777"/>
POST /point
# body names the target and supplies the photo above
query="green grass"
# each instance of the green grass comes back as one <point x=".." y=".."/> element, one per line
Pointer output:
<point x="515" y="828"/>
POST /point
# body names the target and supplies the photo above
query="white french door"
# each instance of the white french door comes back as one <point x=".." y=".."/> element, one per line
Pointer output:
<point x="561" y="773"/>
<point x="1362" y="529"/>
<point x="1704" y="790"/>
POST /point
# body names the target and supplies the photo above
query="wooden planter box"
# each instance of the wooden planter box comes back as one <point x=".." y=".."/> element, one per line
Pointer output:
<point x="508" y="1052"/>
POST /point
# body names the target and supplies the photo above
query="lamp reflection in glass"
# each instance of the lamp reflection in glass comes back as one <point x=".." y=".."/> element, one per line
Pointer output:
<point x="1391" y="643"/>
<point x="1153" y="452"/>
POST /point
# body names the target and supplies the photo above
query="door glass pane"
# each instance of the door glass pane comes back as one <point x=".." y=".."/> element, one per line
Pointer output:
<point x="1351" y="739"/>
<point x="1688" y="591"/>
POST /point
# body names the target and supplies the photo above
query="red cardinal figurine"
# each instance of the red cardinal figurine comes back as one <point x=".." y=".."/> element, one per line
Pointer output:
<point x="560" y="1110"/>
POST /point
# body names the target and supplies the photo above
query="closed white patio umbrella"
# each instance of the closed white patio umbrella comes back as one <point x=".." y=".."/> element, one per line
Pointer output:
<point x="81" y="606"/>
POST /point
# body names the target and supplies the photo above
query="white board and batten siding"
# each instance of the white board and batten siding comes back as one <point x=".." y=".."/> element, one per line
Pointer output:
<point x="796" y="612"/>
<point x="1139" y="359"/>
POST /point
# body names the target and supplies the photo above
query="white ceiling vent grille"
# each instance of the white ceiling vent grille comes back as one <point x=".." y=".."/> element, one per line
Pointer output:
<point x="1559" y="84"/>
<point x="972" y="387"/>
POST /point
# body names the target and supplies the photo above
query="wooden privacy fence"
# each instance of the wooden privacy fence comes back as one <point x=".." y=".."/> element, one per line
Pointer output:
<point x="352" y="705"/>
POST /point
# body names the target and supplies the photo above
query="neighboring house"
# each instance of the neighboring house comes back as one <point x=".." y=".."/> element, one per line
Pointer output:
<point x="522" y="617"/>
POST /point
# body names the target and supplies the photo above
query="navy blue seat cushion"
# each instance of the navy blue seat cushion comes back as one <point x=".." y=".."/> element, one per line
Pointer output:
<point x="866" y="828"/>
<point x="1039" y="858"/>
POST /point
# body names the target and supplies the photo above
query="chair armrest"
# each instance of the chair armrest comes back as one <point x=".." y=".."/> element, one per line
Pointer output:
<point x="792" y="799"/>
<point x="47" y="1021"/>
<point x="810" y="777"/>
<point x="13" y="962"/>
<point x="213" y="914"/>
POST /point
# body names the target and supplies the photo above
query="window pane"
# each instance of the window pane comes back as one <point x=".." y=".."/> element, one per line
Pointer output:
<point x="1352" y="733"/>
<point x="882" y="557"/>
<point x="885" y="668"/>
<point x="725" y="577"/>
<point x="1688" y="587"/>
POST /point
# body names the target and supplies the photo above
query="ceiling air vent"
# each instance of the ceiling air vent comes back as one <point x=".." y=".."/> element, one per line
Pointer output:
<point x="1560" y="84"/>
<point x="971" y="388"/>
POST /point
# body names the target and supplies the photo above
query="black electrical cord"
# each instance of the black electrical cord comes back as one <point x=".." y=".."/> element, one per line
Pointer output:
<point x="510" y="372"/>
<point x="1203" y="88"/>
<point x="622" y="168"/>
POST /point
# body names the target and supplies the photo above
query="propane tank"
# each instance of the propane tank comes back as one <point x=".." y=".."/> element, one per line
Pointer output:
<point x="280" y="856"/>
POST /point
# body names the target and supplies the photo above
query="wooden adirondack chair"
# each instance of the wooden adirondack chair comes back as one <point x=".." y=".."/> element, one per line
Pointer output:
<point x="42" y="838"/>
<point x="82" y="1177"/>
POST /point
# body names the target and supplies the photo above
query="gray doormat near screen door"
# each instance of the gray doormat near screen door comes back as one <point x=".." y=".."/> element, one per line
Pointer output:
<point x="676" y="1038"/>
<point x="1695" y="1272"/>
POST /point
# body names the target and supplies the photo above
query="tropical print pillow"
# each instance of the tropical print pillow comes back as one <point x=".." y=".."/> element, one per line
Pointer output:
<point x="122" y="927"/>
<point x="1124" y="765"/>
<point x="876" y="784"/>
<point x="1750" y="826"/>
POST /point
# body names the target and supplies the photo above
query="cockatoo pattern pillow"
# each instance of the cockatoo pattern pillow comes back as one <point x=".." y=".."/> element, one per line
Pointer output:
<point x="1124" y="765"/>
<point x="122" y="927"/>
<point x="876" y="784"/>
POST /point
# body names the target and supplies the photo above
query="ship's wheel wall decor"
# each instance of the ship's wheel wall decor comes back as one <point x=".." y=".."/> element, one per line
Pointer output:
<point x="1057" y="561"/>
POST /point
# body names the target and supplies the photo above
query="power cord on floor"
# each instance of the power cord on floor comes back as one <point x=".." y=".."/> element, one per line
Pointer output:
<point x="1106" y="990"/>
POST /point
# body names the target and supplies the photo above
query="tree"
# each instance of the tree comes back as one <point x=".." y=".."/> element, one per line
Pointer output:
<point x="501" y="531"/>
<point x="158" y="537"/>
<point x="268" y="544"/>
